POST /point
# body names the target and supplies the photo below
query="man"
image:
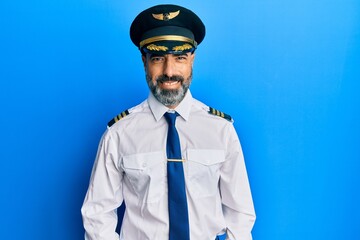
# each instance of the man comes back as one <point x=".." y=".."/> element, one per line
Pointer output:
<point x="175" y="162"/>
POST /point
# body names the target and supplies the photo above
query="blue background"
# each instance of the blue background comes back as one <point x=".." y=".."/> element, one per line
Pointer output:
<point x="287" y="71"/>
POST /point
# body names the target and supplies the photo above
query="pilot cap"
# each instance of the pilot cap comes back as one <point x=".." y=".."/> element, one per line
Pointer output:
<point x="167" y="28"/>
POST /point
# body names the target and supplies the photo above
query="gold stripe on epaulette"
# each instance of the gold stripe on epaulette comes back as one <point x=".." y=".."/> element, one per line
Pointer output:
<point x="121" y="115"/>
<point x="220" y="114"/>
<point x="118" y="118"/>
<point x="213" y="111"/>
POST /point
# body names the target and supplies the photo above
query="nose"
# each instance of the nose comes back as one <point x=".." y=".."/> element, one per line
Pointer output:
<point x="169" y="67"/>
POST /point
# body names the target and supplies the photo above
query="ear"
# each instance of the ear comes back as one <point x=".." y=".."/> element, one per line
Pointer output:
<point x="192" y="58"/>
<point x="143" y="58"/>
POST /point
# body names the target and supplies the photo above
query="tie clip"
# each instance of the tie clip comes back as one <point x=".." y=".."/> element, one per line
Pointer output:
<point x="175" y="160"/>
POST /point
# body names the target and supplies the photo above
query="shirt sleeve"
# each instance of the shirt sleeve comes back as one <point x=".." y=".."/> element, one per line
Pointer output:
<point x="236" y="196"/>
<point x="104" y="195"/>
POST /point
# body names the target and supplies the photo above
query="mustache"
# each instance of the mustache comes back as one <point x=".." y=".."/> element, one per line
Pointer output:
<point x="165" y="78"/>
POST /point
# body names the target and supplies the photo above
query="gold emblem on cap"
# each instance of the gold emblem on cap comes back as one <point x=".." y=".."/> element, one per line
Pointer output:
<point x="153" y="47"/>
<point x="166" y="16"/>
<point x="183" y="47"/>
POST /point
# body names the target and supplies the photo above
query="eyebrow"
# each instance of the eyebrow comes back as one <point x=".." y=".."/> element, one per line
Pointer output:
<point x="156" y="55"/>
<point x="179" y="54"/>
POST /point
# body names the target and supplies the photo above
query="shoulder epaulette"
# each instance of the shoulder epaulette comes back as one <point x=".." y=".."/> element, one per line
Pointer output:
<point x="118" y="118"/>
<point x="220" y="114"/>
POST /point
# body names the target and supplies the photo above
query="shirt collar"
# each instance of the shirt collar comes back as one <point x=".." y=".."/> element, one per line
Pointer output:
<point x="183" y="109"/>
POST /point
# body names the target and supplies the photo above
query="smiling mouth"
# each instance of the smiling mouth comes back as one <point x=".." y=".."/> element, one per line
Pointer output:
<point x="169" y="83"/>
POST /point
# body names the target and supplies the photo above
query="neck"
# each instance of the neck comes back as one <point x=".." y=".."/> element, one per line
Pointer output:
<point x="172" y="107"/>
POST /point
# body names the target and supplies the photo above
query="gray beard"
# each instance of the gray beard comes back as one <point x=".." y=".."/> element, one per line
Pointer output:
<point x="169" y="97"/>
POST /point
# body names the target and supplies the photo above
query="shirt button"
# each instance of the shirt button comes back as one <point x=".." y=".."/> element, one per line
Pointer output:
<point x="144" y="164"/>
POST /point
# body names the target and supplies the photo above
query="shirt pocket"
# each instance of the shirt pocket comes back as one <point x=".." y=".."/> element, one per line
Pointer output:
<point x="147" y="174"/>
<point x="203" y="171"/>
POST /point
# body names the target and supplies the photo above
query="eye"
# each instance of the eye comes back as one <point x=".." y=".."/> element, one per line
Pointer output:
<point x="157" y="59"/>
<point x="181" y="58"/>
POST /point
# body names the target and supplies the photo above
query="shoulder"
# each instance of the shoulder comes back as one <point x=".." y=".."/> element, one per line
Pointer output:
<point x="218" y="113"/>
<point x="212" y="111"/>
<point x="127" y="113"/>
<point x="118" y="117"/>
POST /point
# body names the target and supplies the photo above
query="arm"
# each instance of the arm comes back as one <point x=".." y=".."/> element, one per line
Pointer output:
<point x="236" y="196"/>
<point x="104" y="194"/>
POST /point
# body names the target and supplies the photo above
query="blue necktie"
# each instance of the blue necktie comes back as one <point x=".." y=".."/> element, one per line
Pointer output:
<point x="178" y="211"/>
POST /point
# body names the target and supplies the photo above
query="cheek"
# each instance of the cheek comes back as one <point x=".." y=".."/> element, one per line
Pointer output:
<point x="187" y="71"/>
<point x="153" y="73"/>
<point x="151" y="78"/>
<point x="149" y="73"/>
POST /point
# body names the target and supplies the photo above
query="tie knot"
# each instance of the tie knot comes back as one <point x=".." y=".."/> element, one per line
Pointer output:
<point x="170" y="118"/>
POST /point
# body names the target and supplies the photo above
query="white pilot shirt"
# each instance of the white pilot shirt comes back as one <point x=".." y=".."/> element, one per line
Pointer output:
<point x="131" y="166"/>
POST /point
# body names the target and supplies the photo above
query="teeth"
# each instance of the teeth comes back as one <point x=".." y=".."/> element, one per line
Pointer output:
<point x="168" y="83"/>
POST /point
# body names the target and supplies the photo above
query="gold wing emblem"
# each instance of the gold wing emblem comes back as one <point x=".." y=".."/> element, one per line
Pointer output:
<point x="153" y="47"/>
<point x="182" y="47"/>
<point x="166" y="16"/>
